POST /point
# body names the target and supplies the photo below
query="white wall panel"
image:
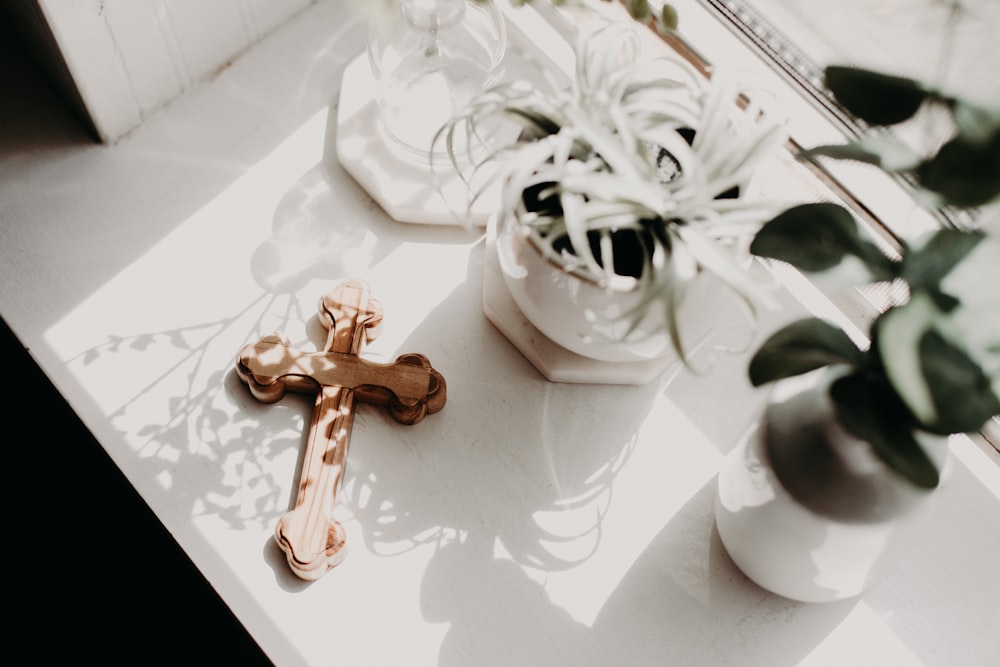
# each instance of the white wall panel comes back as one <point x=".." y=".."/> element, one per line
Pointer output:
<point x="128" y="58"/>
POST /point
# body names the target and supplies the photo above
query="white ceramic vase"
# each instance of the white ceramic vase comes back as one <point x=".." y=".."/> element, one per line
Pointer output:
<point x="805" y="509"/>
<point x="574" y="311"/>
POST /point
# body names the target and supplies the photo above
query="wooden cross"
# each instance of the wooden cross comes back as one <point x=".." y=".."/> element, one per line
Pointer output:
<point x="313" y="541"/>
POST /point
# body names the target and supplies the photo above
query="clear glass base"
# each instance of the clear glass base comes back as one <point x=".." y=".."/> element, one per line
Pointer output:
<point x="430" y="63"/>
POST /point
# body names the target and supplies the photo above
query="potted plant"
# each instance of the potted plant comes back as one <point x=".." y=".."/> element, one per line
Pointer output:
<point x="621" y="193"/>
<point x="814" y="503"/>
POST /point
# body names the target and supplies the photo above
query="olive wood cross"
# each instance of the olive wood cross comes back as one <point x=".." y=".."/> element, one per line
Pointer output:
<point x="313" y="541"/>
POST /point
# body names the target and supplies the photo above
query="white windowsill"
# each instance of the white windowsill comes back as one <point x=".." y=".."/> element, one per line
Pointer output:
<point x="527" y="523"/>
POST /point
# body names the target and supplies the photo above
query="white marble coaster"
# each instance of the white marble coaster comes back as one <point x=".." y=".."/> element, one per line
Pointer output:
<point x="403" y="185"/>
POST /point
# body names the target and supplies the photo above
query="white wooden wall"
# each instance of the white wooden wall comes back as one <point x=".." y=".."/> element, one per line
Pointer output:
<point x="128" y="58"/>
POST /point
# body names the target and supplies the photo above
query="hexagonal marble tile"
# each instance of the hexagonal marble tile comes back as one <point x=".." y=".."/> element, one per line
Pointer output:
<point x="402" y="184"/>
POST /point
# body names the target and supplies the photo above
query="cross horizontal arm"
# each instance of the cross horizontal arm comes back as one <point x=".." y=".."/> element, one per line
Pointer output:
<point x="269" y="361"/>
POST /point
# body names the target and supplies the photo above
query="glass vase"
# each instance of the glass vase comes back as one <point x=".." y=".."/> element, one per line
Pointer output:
<point x="429" y="61"/>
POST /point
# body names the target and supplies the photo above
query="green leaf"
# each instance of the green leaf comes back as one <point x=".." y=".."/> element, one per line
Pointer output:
<point x="852" y="151"/>
<point x="965" y="173"/>
<point x="879" y="99"/>
<point x="817" y="237"/>
<point x="896" y="342"/>
<point x="879" y="149"/>
<point x="800" y="347"/>
<point x="925" y="266"/>
<point x="976" y="124"/>
<point x="962" y="394"/>
<point x="638" y="9"/>
<point x="669" y="20"/>
<point x="872" y="412"/>
<point x="942" y="385"/>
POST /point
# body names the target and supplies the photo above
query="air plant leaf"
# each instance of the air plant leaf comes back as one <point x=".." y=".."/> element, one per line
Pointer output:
<point x="800" y="347"/>
<point x="712" y="256"/>
<point x="536" y="124"/>
<point x="872" y="412"/>
<point x="674" y="267"/>
<point x="817" y="237"/>
<point x="879" y="99"/>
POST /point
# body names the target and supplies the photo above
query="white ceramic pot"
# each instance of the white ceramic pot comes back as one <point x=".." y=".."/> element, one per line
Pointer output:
<point x="834" y="518"/>
<point x="578" y="314"/>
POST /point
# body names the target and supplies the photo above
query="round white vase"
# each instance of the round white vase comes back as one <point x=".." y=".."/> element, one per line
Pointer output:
<point x="579" y="314"/>
<point x="805" y="509"/>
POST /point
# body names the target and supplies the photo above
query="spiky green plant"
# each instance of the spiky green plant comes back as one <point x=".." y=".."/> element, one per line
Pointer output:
<point x="636" y="169"/>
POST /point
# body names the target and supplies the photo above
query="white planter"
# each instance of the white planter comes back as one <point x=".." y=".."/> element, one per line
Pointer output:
<point x="839" y="517"/>
<point x="580" y="315"/>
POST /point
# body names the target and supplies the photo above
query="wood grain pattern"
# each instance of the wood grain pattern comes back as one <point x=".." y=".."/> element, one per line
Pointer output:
<point x="313" y="541"/>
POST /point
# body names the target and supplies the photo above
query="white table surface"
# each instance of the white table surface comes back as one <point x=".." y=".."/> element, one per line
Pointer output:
<point x="528" y="523"/>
